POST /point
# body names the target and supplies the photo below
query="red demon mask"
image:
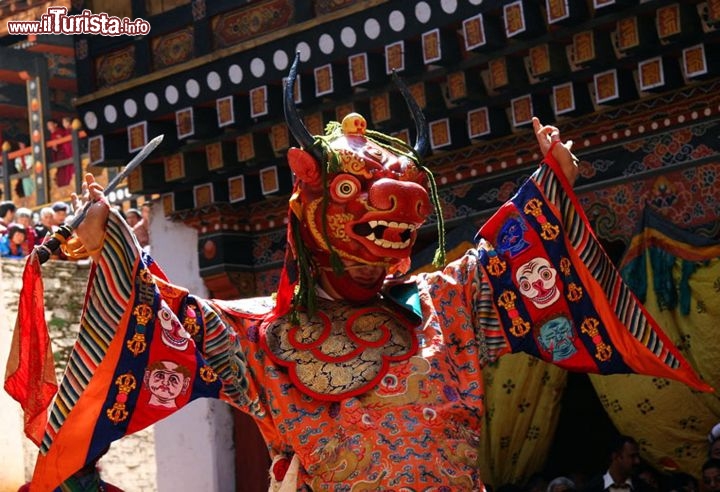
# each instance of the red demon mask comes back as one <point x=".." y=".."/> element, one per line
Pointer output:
<point x="359" y="197"/>
<point x="369" y="208"/>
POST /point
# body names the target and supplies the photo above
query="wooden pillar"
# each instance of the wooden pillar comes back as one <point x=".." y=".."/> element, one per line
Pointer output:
<point x="6" y="195"/>
<point x="77" y="156"/>
<point x="38" y="111"/>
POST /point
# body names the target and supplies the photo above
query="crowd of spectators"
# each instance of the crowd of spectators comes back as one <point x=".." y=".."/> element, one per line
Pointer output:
<point x="21" y="229"/>
<point x="623" y="470"/>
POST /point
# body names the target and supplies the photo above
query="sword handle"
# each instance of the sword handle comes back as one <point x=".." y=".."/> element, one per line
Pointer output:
<point x="52" y="243"/>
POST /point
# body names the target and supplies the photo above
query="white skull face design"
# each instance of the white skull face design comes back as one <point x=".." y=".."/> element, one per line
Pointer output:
<point x="173" y="333"/>
<point x="536" y="280"/>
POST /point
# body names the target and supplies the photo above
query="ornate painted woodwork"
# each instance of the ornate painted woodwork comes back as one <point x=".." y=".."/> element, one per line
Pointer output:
<point x="631" y="83"/>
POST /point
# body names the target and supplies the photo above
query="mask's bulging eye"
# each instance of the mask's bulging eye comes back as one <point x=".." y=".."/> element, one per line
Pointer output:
<point x="344" y="187"/>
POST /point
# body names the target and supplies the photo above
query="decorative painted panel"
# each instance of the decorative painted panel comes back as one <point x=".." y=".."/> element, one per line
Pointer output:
<point x="247" y="22"/>
<point x="115" y="67"/>
<point x="172" y="48"/>
<point x="60" y="66"/>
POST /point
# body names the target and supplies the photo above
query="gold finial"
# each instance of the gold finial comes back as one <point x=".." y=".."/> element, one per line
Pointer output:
<point x="76" y="124"/>
<point x="354" y="124"/>
<point x="6" y="146"/>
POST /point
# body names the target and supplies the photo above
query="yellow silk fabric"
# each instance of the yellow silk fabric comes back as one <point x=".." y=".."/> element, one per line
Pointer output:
<point x="523" y="405"/>
<point x="670" y="421"/>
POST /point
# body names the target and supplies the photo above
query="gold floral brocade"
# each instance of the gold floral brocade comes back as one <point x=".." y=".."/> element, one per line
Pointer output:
<point x="343" y="350"/>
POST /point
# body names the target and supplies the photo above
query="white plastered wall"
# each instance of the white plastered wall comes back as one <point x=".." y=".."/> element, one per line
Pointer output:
<point x="194" y="447"/>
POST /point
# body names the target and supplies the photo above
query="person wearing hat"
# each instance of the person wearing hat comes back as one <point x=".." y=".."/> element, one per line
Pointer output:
<point x="60" y="212"/>
<point x="132" y="216"/>
<point x="714" y="442"/>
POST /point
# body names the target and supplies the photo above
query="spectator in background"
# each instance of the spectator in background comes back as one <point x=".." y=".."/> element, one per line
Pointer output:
<point x="23" y="216"/>
<point x="711" y="475"/>
<point x="650" y="477"/>
<point x="67" y="147"/>
<point x="66" y="173"/>
<point x="7" y="215"/>
<point x="60" y="152"/>
<point x="132" y="216"/>
<point x="621" y="474"/>
<point x="561" y="484"/>
<point x="44" y="225"/>
<point x="57" y="152"/>
<point x="11" y="243"/>
<point x="142" y="228"/>
<point x="67" y="124"/>
<point x="26" y="185"/>
<point x="60" y="213"/>
<point x="714" y="442"/>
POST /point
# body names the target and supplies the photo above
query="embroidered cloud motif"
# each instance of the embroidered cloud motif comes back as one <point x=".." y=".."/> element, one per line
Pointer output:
<point x="342" y="351"/>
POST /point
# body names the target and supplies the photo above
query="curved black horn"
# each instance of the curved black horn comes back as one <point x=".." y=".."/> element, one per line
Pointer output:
<point x="292" y="117"/>
<point x="421" y="126"/>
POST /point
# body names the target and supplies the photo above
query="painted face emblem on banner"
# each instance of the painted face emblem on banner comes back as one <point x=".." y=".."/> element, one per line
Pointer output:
<point x="556" y="336"/>
<point x="537" y="280"/>
<point x="173" y="333"/>
<point x="510" y="238"/>
<point x="166" y="380"/>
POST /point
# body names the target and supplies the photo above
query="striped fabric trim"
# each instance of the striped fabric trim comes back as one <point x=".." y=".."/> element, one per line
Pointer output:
<point x="108" y="297"/>
<point x="627" y="308"/>
<point x="222" y="352"/>
<point x="491" y="336"/>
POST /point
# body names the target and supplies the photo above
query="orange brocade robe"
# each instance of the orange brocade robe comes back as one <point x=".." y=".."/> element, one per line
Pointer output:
<point x="387" y="396"/>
